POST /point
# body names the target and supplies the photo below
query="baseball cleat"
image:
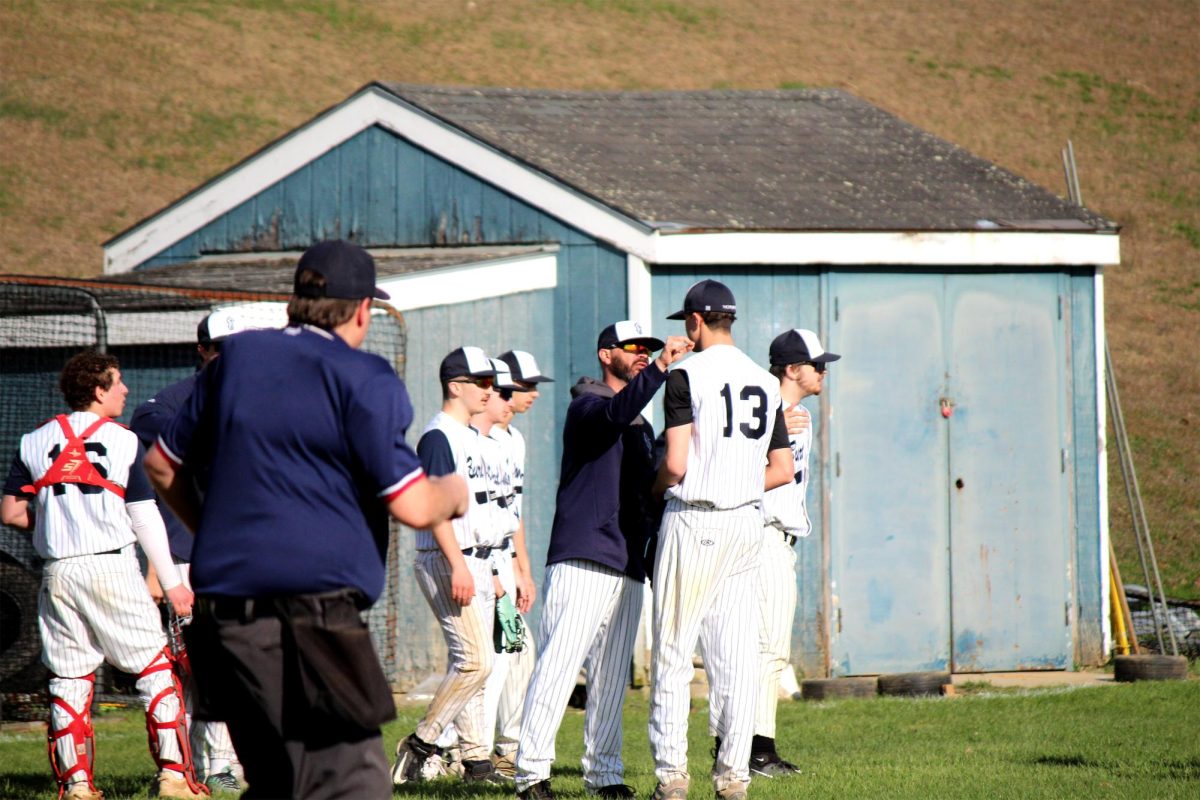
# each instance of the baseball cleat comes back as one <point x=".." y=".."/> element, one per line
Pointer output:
<point x="411" y="754"/>
<point x="172" y="784"/>
<point x="81" y="791"/>
<point x="770" y="765"/>
<point x="223" y="782"/>
<point x="675" y="790"/>
<point x="617" y="790"/>
<point x="481" y="771"/>
<point x="734" y="791"/>
<point x="538" y="791"/>
<point x="504" y="766"/>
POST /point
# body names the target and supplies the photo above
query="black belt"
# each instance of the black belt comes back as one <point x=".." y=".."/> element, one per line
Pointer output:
<point x="790" y="538"/>
<point x="116" y="552"/>
<point x="248" y="609"/>
<point x="479" y="552"/>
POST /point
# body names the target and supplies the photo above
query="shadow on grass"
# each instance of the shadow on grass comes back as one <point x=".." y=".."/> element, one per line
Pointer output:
<point x="1065" y="761"/>
<point x="20" y="785"/>
<point x="452" y="787"/>
<point x="1179" y="770"/>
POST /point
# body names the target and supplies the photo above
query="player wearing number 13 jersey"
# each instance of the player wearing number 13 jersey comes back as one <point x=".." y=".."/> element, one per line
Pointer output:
<point x="726" y="444"/>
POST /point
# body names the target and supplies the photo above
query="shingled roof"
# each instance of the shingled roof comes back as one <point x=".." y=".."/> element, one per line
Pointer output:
<point x="802" y="160"/>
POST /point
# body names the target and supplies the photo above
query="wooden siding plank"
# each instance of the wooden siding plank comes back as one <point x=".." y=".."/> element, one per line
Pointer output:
<point x="239" y="228"/>
<point x="382" y="212"/>
<point x="325" y="198"/>
<point x="495" y="215"/>
<point x="414" y="223"/>
<point x="355" y="176"/>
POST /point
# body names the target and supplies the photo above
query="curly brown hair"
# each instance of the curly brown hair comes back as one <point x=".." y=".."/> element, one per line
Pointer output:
<point x="83" y="374"/>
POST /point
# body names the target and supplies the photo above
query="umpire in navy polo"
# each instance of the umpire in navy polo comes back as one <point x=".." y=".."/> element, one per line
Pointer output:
<point x="301" y="437"/>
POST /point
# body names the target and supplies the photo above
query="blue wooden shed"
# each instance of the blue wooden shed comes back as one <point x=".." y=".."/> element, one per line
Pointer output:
<point x="959" y="476"/>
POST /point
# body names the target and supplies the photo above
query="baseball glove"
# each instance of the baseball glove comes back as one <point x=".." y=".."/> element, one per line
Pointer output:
<point x="508" y="634"/>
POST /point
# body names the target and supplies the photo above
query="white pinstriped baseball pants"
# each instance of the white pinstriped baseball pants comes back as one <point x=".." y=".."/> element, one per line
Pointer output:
<point x="704" y="574"/>
<point x="504" y="690"/>
<point x="97" y="608"/>
<point x="507" y="696"/>
<point x="589" y="616"/>
<point x="776" y="611"/>
<point x="775" y="592"/>
<point x="468" y="633"/>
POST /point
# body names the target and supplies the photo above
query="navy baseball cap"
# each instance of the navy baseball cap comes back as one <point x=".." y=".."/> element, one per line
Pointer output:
<point x="627" y="332"/>
<point x="524" y="367"/>
<point x="349" y="271"/>
<point x="800" y="344"/>
<point x="504" y="377"/>
<point x="466" y="362"/>
<point x="704" y="296"/>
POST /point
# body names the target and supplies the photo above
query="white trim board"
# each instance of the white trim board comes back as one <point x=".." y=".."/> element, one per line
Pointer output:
<point x="1106" y="634"/>
<point x="464" y="283"/>
<point x="376" y="106"/>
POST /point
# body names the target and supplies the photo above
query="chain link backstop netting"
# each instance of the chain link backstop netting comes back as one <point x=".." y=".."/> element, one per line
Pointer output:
<point x="152" y="331"/>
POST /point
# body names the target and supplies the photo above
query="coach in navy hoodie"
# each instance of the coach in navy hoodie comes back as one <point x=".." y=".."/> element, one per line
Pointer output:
<point x="592" y="597"/>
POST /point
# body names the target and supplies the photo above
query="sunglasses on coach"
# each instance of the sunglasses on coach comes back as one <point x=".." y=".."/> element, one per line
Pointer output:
<point x="635" y="349"/>
<point x="817" y="367"/>
<point x="482" y="383"/>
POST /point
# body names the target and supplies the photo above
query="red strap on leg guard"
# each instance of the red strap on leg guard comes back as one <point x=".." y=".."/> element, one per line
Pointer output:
<point x="84" y="735"/>
<point x="187" y="765"/>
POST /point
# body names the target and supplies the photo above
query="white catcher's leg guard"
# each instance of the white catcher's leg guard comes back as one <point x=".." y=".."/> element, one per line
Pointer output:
<point x="166" y="723"/>
<point x="71" y="740"/>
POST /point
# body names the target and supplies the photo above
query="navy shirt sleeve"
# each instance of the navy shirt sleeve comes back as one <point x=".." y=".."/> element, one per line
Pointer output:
<point x="186" y="426"/>
<point x="677" y="400"/>
<point x="149" y="420"/>
<point x="436" y="455"/>
<point x="18" y="476"/>
<point x="138" y="487"/>
<point x="380" y="416"/>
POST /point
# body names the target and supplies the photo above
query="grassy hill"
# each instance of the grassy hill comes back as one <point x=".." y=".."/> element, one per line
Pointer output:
<point x="109" y="110"/>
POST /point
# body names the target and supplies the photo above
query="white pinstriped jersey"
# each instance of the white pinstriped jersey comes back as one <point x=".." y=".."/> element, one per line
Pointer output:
<point x="72" y="520"/>
<point x="517" y="449"/>
<point x="477" y="526"/>
<point x="514" y="444"/>
<point x="497" y="460"/>
<point x="786" y="506"/>
<point x="735" y="403"/>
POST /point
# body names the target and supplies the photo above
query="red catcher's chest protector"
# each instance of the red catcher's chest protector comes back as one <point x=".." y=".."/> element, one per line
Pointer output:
<point x="72" y="464"/>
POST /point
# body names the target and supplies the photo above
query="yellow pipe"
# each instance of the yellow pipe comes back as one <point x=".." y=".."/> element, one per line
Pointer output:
<point x="1121" y="646"/>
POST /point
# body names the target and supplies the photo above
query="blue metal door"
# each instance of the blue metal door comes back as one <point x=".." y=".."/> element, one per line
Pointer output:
<point x="889" y="540"/>
<point x="950" y="508"/>
<point x="1009" y="517"/>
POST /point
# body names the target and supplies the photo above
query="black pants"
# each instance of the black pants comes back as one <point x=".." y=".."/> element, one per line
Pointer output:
<point x="249" y="673"/>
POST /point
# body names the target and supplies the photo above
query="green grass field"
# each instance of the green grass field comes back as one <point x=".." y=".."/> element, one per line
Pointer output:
<point x="1121" y="741"/>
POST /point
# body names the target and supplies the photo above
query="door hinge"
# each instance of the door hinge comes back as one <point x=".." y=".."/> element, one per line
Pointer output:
<point x="837" y="465"/>
<point x="1067" y="614"/>
<point x="839" y="620"/>
<point x="835" y="309"/>
<point x="1062" y="457"/>
<point x="1060" y="306"/>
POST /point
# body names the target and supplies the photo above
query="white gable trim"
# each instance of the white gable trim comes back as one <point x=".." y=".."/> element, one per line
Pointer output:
<point x="465" y="283"/>
<point x="951" y="248"/>
<point x="375" y="106"/>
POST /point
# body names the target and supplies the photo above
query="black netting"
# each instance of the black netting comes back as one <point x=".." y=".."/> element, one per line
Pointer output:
<point x="152" y="331"/>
